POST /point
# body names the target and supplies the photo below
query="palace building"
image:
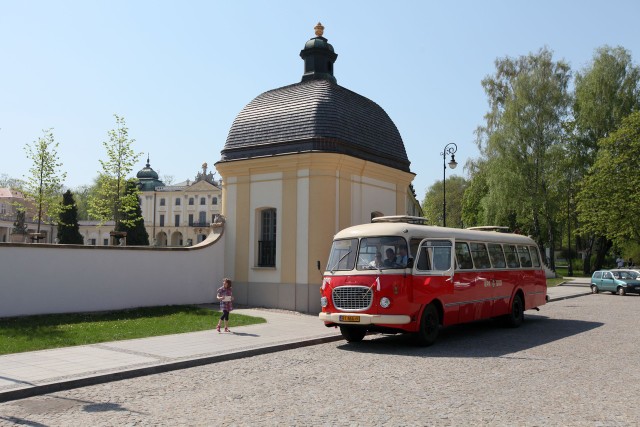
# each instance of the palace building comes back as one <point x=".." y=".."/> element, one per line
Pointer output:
<point x="174" y="215"/>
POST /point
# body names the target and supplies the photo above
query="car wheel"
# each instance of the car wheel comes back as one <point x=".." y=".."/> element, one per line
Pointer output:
<point x="429" y="326"/>
<point x="594" y="289"/>
<point x="621" y="291"/>
<point x="353" y="333"/>
<point x="516" y="316"/>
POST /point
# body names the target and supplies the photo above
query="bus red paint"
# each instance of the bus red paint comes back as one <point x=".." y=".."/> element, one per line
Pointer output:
<point x="447" y="276"/>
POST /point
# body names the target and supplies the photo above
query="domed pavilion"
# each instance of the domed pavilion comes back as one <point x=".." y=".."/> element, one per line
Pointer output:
<point x="300" y="163"/>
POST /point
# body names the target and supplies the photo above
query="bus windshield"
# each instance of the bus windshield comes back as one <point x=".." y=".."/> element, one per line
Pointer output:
<point x="379" y="253"/>
<point x="343" y="255"/>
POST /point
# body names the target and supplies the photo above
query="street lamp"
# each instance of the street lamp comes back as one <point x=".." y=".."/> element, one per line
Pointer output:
<point x="451" y="149"/>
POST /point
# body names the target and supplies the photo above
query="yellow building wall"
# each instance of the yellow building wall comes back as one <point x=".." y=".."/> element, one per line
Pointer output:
<point x="340" y="191"/>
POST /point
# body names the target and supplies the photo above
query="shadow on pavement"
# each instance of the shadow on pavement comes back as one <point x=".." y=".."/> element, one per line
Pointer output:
<point x="479" y="339"/>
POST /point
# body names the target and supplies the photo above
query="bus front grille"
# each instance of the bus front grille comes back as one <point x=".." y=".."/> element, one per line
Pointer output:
<point x="352" y="297"/>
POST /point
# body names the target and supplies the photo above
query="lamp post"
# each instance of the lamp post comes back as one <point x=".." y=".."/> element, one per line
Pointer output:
<point x="451" y="149"/>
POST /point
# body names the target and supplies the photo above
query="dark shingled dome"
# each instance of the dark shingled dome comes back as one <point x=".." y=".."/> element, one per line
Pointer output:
<point x="315" y="115"/>
<point x="148" y="178"/>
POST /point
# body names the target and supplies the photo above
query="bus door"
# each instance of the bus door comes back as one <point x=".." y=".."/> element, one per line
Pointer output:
<point x="433" y="272"/>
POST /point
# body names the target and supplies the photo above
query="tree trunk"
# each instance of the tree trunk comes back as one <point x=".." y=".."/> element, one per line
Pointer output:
<point x="602" y="248"/>
<point x="588" y="251"/>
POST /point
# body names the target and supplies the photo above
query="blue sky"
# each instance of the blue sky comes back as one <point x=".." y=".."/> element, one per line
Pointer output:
<point x="179" y="72"/>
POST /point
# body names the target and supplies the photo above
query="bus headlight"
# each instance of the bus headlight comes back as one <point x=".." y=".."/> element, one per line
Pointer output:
<point x="323" y="302"/>
<point x="385" y="302"/>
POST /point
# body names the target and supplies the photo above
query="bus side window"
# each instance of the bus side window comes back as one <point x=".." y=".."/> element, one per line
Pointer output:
<point x="512" y="256"/>
<point x="480" y="255"/>
<point x="463" y="256"/>
<point x="496" y="255"/>
<point x="525" y="257"/>
<point x="442" y="258"/>
<point x="414" y="244"/>
<point x="534" y="256"/>
<point x="423" y="260"/>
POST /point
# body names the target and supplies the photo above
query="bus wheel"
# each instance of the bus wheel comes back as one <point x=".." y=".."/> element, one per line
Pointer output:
<point x="516" y="316"/>
<point x="353" y="333"/>
<point x="429" y="326"/>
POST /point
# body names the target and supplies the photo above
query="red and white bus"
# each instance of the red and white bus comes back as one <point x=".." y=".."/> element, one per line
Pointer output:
<point x="448" y="276"/>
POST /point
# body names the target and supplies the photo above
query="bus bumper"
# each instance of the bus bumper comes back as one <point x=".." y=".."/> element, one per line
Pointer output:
<point x="364" y="319"/>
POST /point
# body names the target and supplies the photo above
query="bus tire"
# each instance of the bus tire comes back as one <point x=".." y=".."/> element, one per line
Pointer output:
<point x="516" y="315"/>
<point x="429" y="326"/>
<point x="352" y="333"/>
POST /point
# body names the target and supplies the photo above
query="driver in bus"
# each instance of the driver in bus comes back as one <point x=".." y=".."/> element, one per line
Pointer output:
<point x="390" y="261"/>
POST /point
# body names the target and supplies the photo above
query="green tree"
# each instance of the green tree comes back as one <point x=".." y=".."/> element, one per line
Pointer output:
<point x="68" y="229"/>
<point x="81" y="196"/>
<point x="606" y="91"/>
<point x="109" y="202"/>
<point x="608" y="202"/>
<point x="134" y="225"/>
<point x="432" y="205"/>
<point x="473" y="210"/>
<point x="44" y="184"/>
<point x="521" y="141"/>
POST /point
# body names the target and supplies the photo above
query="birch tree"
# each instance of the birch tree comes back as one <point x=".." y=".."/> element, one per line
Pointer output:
<point x="522" y="139"/>
<point x="110" y="201"/>
<point x="43" y="185"/>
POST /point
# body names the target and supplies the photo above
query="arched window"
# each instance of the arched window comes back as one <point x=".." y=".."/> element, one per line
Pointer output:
<point x="267" y="238"/>
<point x="203" y="201"/>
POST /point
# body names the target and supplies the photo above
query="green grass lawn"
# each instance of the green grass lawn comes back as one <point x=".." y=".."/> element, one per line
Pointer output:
<point x="554" y="282"/>
<point x="18" y="334"/>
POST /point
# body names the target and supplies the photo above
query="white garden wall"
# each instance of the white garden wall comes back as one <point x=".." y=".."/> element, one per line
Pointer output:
<point x="48" y="278"/>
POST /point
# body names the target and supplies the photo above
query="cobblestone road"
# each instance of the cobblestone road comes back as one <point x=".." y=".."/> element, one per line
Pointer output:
<point x="574" y="363"/>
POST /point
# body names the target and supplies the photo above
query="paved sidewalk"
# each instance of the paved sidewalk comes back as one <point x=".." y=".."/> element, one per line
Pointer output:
<point x="46" y="371"/>
<point x="40" y="372"/>
<point x="571" y="288"/>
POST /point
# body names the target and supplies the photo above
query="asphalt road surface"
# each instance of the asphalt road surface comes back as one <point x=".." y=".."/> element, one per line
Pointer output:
<point x="574" y="363"/>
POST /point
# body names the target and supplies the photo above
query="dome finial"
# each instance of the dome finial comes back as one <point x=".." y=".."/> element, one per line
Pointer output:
<point x="319" y="29"/>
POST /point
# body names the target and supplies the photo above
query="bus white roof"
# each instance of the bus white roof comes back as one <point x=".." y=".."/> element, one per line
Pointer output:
<point x="395" y="227"/>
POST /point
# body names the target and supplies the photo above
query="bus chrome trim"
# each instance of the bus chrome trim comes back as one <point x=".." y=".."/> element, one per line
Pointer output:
<point x="367" y="319"/>
<point x="476" y="301"/>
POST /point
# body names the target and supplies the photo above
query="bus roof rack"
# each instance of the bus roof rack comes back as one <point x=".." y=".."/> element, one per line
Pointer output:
<point x="402" y="218"/>
<point x="497" y="228"/>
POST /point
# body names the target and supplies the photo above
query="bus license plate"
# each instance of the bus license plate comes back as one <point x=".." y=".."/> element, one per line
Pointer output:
<point x="349" y="318"/>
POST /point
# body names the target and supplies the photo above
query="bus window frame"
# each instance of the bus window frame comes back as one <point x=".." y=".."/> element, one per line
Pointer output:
<point x="450" y="272"/>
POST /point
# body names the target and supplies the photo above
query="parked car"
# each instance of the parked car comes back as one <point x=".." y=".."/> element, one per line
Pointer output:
<point x="618" y="281"/>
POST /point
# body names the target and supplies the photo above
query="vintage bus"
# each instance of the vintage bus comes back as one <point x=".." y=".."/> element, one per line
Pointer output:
<point x="398" y="275"/>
